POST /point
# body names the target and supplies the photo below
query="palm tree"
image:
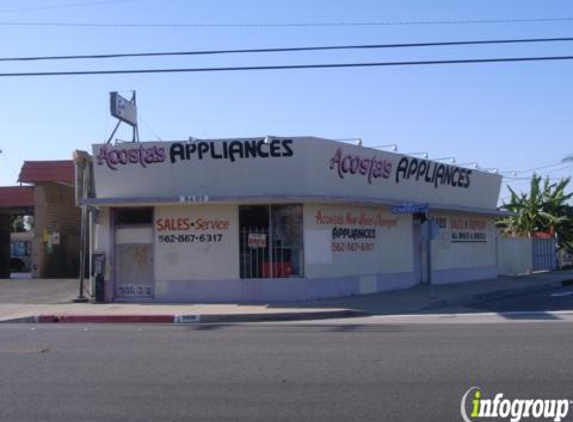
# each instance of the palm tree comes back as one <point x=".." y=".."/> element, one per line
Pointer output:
<point x="543" y="210"/>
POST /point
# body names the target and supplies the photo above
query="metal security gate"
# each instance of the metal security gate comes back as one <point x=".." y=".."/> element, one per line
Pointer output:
<point x="254" y="253"/>
<point x="271" y="241"/>
<point x="256" y="248"/>
<point x="544" y="254"/>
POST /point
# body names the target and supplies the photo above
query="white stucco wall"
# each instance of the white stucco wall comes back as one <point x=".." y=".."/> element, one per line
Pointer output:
<point x="298" y="166"/>
<point x="515" y="255"/>
<point x="383" y="244"/>
<point x="196" y="242"/>
<point x="465" y="241"/>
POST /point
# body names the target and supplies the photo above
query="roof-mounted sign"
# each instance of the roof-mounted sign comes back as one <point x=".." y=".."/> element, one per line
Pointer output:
<point x="123" y="109"/>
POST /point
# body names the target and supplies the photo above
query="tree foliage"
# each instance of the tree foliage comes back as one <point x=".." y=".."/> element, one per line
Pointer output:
<point x="17" y="223"/>
<point x="545" y="209"/>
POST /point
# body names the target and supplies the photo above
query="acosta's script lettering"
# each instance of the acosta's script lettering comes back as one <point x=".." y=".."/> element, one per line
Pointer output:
<point x="231" y="151"/>
<point x="185" y="151"/>
<point x="371" y="168"/>
<point x="432" y="172"/>
<point x="122" y="156"/>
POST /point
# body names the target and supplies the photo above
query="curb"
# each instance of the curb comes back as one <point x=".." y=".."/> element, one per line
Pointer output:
<point x="493" y="295"/>
<point x="502" y="294"/>
<point x="187" y="318"/>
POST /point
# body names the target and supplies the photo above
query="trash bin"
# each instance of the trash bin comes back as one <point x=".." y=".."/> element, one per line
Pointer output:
<point x="99" y="292"/>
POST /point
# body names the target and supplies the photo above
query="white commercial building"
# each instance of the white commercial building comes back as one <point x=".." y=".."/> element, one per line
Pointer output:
<point x="280" y="219"/>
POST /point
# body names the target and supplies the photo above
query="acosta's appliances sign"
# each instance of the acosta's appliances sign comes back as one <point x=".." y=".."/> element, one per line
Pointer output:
<point x="194" y="150"/>
<point x="408" y="168"/>
<point x="433" y="173"/>
<point x="370" y="168"/>
<point x="344" y="164"/>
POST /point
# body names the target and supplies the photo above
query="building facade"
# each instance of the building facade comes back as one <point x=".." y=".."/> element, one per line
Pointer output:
<point x="281" y="219"/>
<point x="51" y="248"/>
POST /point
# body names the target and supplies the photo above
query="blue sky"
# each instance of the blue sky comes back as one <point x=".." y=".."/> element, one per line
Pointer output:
<point x="508" y="116"/>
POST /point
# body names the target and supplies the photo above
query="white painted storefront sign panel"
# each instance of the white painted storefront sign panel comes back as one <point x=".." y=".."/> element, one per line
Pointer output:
<point x="196" y="242"/>
<point x="202" y="171"/>
<point x="348" y="240"/>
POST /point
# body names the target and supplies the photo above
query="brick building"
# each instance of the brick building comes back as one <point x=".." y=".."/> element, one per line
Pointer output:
<point x="50" y="198"/>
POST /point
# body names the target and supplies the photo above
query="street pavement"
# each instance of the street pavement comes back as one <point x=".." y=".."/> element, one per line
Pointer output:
<point x="308" y="371"/>
<point x="382" y="367"/>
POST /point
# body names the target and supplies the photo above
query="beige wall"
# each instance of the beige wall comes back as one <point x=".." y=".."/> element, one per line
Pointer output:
<point x="515" y="255"/>
<point x="329" y="254"/>
<point x="464" y="241"/>
<point x="55" y="212"/>
<point x="197" y="242"/>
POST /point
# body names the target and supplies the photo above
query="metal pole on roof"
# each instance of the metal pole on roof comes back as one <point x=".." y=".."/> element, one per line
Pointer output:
<point x="393" y="147"/>
<point x="424" y="155"/>
<point x="135" y="127"/>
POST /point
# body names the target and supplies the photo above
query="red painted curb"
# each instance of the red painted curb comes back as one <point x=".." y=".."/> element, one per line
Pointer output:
<point x="118" y="319"/>
<point x="193" y="318"/>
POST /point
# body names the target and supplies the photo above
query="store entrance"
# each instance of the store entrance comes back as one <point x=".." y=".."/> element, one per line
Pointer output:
<point x="271" y="244"/>
<point x="133" y="236"/>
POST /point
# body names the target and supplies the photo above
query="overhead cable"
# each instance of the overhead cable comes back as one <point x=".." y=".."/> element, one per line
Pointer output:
<point x="290" y="24"/>
<point x="290" y="49"/>
<point x="288" y="67"/>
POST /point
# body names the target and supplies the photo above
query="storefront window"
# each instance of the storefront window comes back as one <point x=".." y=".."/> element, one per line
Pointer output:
<point x="271" y="241"/>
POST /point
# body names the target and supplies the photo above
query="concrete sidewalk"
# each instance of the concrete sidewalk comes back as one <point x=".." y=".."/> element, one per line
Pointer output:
<point x="59" y="308"/>
<point x="425" y="298"/>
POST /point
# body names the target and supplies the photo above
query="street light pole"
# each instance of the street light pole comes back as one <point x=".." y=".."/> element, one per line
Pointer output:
<point x="82" y="166"/>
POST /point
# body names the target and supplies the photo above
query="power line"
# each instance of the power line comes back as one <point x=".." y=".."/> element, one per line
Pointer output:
<point x="288" y="67"/>
<point x="290" y="49"/>
<point x="556" y="166"/>
<point x="64" y="6"/>
<point x="555" y="173"/>
<point x="287" y="25"/>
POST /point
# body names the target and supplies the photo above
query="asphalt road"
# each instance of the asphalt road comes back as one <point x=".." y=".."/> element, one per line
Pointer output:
<point x="344" y="371"/>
